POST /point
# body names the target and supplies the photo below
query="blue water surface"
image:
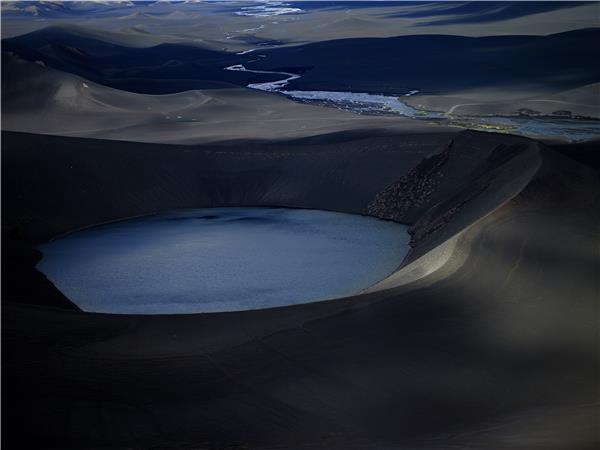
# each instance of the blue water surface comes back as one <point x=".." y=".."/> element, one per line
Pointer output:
<point x="222" y="259"/>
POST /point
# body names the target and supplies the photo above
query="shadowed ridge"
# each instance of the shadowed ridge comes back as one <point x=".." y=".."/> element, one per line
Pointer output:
<point x="159" y="69"/>
<point x="69" y="183"/>
<point x="22" y="283"/>
<point x="584" y="152"/>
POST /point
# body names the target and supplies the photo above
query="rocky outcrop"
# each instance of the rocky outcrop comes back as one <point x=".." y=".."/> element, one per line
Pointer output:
<point x="430" y="195"/>
<point x="440" y="215"/>
<point x="413" y="190"/>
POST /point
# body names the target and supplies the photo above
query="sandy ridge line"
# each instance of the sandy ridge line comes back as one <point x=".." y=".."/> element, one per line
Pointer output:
<point x="453" y="252"/>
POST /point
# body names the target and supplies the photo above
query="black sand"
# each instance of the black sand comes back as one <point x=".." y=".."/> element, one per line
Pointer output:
<point x="497" y="349"/>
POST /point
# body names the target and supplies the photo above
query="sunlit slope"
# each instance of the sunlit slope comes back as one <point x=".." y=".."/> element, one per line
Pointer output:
<point x="39" y="99"/>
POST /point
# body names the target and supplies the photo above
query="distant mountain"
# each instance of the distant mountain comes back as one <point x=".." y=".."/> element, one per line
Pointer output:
<point x="58" y="9"/>
<point x="440" y="63"/>
<point x="429" y="63"/>
<point x="454" y="13"/>
<point x="165" y="68"/>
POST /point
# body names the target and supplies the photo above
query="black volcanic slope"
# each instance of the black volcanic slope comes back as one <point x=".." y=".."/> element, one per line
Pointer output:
<point x="431" y="63"/>
<point x="495" y="349"/>
<point x="107" y="180"/>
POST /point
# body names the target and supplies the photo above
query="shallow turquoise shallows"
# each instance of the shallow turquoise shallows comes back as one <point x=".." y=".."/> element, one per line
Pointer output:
<point x="222" y="259"/>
